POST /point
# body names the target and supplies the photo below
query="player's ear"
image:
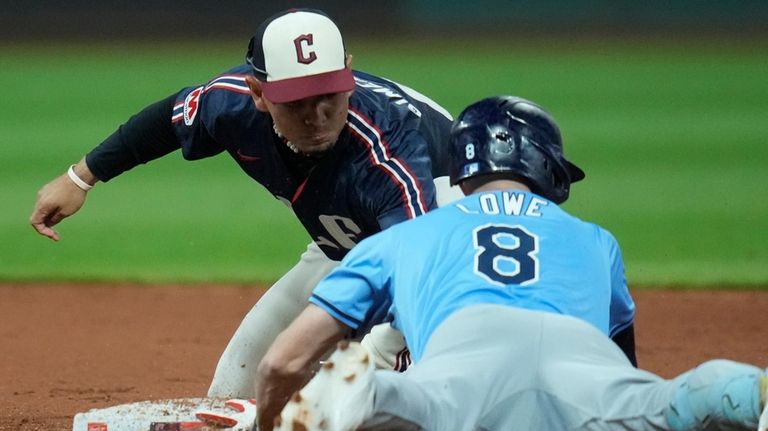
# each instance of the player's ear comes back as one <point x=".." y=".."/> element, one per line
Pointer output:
<point x="466" y="188"/>
<point x="348" y="65"/>
<point x="256" y="94"/>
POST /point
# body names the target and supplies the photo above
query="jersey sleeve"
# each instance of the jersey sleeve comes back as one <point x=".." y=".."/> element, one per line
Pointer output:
<point x="207" y="118"/>
<point x="194" y="114"/>
<point x="357" y="292"/>
<point x="146" y="136"/>
<point x="436" y="126"/>
<point x="185" y="120"/>
<point x="622" y="304"/>
<point x="404" y="186"/>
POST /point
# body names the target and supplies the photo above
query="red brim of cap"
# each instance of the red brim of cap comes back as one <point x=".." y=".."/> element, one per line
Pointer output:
<point x="292" y="89"/>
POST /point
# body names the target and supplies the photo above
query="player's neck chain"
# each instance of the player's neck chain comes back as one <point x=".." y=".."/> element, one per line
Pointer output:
<point x="288" y="143"/>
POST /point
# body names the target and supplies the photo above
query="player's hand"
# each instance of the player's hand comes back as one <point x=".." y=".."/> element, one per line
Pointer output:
<point x="240" y="416"/>
<point x="56" y="200"/>
<point x="274" y="387"/>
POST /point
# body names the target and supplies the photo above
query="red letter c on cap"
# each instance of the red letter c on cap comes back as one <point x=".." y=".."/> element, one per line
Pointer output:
<point x="301" y="42"/>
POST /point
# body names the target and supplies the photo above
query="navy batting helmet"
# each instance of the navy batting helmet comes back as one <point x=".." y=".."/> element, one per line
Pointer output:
<point x="513" y="136"/>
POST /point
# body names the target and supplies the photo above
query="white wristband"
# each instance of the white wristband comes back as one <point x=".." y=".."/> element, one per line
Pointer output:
<point x="77" y="180"/>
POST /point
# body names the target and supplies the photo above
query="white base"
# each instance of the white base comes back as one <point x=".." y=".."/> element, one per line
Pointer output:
<point x="178" y="414"/>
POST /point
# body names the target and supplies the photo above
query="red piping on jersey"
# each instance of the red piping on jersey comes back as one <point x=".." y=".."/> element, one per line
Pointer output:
<point x="385" y="149"/>
<point x="227" y="86"/>
<point x="382" y="144"/>
<point x="235" y="88"/>
<point x="215" y="85"/>
<point x="416" y="184"/>
<point x="368" y="122"/>
<point x="403" y="191"/>
<point x="299" y="190"/>
<point x="402" y="360"/>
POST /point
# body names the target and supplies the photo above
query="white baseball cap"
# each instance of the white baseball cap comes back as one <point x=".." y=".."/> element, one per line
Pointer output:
<point x="299" y="53"/>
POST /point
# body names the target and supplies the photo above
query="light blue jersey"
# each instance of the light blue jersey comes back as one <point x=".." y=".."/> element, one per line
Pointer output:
<point x="508" y="247"/>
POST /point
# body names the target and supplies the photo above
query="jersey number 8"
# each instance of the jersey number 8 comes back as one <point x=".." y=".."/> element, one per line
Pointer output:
<point x="506" y="254"/>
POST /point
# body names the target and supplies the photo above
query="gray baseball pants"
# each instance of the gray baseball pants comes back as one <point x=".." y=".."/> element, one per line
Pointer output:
<point x="491" y="367"/>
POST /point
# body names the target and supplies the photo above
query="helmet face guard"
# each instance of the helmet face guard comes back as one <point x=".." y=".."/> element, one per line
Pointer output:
<point x="513" y="136"/>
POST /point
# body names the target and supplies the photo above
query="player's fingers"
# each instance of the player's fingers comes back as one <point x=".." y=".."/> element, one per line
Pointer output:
<point x="55" y="218"/>
<point x="44" y="230"/>
<point x="42" y="221"/>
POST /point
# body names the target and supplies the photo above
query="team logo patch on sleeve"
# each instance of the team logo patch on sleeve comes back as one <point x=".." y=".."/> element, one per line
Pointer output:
<point x="191" y="105"/>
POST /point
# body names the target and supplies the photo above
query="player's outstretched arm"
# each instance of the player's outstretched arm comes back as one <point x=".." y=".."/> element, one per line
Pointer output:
<point x="288" y="364"/>
<point x="61" y="198"/>
<point x="146" y="136"/>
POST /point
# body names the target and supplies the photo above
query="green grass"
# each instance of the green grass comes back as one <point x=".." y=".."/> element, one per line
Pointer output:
<point x="673" y="136"/>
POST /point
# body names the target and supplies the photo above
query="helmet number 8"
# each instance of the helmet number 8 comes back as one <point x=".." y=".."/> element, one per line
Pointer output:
<point x="469" y="151"/>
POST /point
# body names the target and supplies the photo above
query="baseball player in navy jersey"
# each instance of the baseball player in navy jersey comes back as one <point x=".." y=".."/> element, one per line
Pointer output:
<point x="508" y="305"/>
<point x="350" y="153"/>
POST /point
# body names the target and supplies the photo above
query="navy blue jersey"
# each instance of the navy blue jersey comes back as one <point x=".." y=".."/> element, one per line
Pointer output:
<point x="379" y="172"/>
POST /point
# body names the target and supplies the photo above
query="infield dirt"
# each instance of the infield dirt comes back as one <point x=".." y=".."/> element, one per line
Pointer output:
<point x="69" y="348"/>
